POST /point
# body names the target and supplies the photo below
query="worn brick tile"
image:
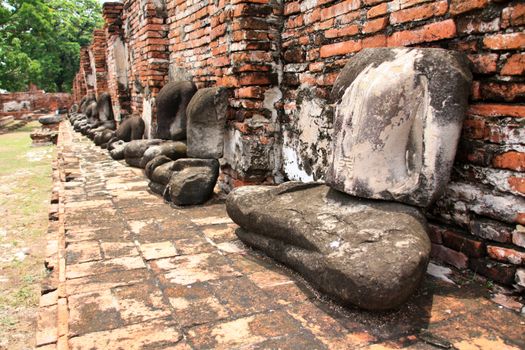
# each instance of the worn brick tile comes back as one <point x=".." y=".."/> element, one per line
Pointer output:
<point x="188" y="269"/>
<point x="327" y="329"/>
<point x="119" y="249"/>
<point x="241" y="296"/>
<point x="233" y="247"/>
<point x="48" y="299"/>
<point x="157" y="334"/>
<point x="244" y="332"/>
<point x="93" y="312"/>
<point x="221" y="233"/>
<point x="140" y="302"/>
<point x="248" y="263"/>
<point x="153" y="251"/>
<point x="99" y="267"/>
<point x="212" y="220"/>
<point x="105" y="281"/>
<point x="94" y="204"/>
<point x="193" y="245"/>
<point x="465" y="333"/>
<point x="46" y="329"/>
<point x="83" y="252"/>
<point x="267" y="279"/>
<point x="195" y="304"/>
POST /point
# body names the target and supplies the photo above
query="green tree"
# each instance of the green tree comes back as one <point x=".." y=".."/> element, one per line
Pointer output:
<point x="40" y="41"/>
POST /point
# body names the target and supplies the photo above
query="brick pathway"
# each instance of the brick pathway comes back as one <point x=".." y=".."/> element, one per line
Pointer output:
<point x="131" y="272"/>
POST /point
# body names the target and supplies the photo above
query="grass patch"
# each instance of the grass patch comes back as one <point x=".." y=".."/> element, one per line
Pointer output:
<point x="25" y="187"/>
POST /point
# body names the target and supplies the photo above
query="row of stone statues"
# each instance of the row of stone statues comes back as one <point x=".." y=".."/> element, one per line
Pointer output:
<point x="181" y="161"/>
<point x="361" y="237"/>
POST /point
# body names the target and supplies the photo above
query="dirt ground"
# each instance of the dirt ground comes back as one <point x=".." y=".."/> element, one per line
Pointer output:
<point x="25" y="187"/>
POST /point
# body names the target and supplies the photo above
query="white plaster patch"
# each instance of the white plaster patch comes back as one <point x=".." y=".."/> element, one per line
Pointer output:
<point x="16" y="106"/>
<point x="439" y="272"/>
<point x="120" y="55"/>
<point x="292" y="166"/>
<point x="146" y="116"/>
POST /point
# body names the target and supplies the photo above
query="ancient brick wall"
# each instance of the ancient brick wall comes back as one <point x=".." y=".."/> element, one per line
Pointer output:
<point x="19" y="104"/>
<point x="280" y="58"/>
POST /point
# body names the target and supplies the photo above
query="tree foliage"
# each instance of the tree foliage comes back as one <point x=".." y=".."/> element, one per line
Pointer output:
<point x="40" y="41"/>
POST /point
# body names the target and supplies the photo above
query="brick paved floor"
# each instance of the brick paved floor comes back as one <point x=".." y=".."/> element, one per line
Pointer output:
<point x="131" y="272"/>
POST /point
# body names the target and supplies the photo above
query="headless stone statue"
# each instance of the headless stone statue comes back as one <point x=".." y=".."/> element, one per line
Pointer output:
<point x="131" y="128"/>
<point x="172" y="102"/>
<point x="105" y="111"/>
<point x="398" y="118"/>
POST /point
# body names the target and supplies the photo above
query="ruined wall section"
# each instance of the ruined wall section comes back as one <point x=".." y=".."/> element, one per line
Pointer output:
<point x="20" y="104"/>
<point x="234" y="44"/>
<point x="117" y="60"/>
<point x="97" y="55"/>
<point x="146" y="43"/>
<point x="477" y="222"/>
<point x="87" y="74"/>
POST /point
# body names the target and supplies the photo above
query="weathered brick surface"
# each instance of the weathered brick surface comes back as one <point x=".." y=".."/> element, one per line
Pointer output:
<point x="280" y="60"/>
<point x="136" y="273"/>
<point x="19" y="104"/>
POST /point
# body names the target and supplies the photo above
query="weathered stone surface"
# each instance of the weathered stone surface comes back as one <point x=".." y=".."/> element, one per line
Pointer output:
<point x="170" y="149"/>
<point x="105" y="111"/>
<point x="397" y="123"/>
<point x="206" y="115"/>
<point x="135" y="149"/>
<point x="172" y="102"/>
<point x="192" y="181"/>
<point x="154" y="163"/>
<point x="116" y="150"/>
<point x="367" y="253"/>
<point x="102" y="137"/>
<point x="162" y="173"/>
<point x="131" y="128"/>
<point x="50" y="119"/>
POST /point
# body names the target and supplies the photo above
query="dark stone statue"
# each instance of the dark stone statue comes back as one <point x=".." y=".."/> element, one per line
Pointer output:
<point x="172" y="101"/>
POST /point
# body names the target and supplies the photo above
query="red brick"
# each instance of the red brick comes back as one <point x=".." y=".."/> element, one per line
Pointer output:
<point x="464" y="244"/>
<point x="461" y="6"/>
<point x="375" y="25"/>
<point x="375" y="41"/>
<point x="505" y="41"/>
<point x="292" y="7"/>
<point x="477" y="25"/>
<point x="507" y="255"/>
<point x="435" y="234"/>
<point x="340" y="8"/>
<point x="428" y="33"/>
<point x="498" y="272"/>
<point x="341" y="48"/>
<point x="316" y="67"/>
<point x="376" y="11"/>
<point x="250" y="92"/>
<point x="255" y="79"/>
<point x="419" y="13"/>
<point x="515" y="65"/>
<point x="503" y="91"/>
<point x="497" y="110"/>
<point x="513" y="15"/>
<point x="517" y="183"/>
<point x="511" y="160"/>
<point x="449" y="256"/>
<point x="474" y="129"/>
<point x="484" y="63"/>
<point x="339" y="32"/>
